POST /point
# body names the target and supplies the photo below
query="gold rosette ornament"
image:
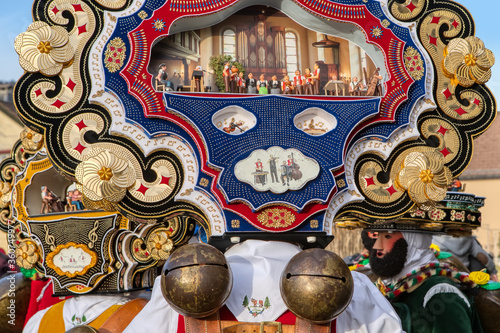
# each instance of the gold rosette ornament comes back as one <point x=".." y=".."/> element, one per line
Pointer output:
<point x="27" y="255"/>
<point x="425" y="177"/>
<point x="159" y="245"/>
<point x="43" y="48"/>
<point x="31" y="140"/>
<point x="467" y="61"/>
<point x="479" y="277"/>
<point x="104" y="177"/>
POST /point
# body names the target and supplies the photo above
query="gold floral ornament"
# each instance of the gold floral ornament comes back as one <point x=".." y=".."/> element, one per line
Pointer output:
<point x="479" y="277"/>
<point x="414" y="63"/>
<point x="159" y="245"/>
<point x="31" y="140"/>
<point x="104" y="177"/>
<point x="114" y="54"/>
<point x="43" y="48"/>
<point x="425" y="177"/>
<point x="276" y="218"/>
<point x="5" y="194"/>
<point x="27" y="255"/>
<point x="467" y="61"/>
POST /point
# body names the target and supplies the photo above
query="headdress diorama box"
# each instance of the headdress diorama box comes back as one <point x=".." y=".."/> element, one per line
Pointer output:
<point x="152" y="121"/>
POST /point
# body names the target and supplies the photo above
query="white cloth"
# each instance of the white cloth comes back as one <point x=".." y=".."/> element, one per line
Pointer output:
<point x="368" y="312"/>
<point x="419" y="253"/>
<point x="79" y="310"/>
<point x="156" y="316"/>
<point x="257" y="266"/>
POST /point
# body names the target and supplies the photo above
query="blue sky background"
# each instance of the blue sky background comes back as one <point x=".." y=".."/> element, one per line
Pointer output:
<point x="15" y="16"/>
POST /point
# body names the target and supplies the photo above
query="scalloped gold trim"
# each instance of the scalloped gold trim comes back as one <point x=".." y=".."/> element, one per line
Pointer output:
<point x="50" y="259"/>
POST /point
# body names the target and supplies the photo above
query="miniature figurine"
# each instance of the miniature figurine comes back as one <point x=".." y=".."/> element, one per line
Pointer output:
<point x="234" y="76"/>
<point x="251" y="84"/>
<point x="355" y="87"/>
<point x="316" y="78"/>
<point x="162" y="75"/>
<point x="275" y="85"/>
<point x="308" y="88"/>
<point x="286" y="85"/>
<point x="298" y="81"/>
<point x="456" y="186"/>
<point x="262" y="84"/>
<point x="227" y="77"/>
<point x="69" y="207"/>
<point x="76" y="199"/>
<point x="197" y="84"/>
<point x="50" y="202"/>
<point x="374" y="86"/>
<point x="241" y="83"/>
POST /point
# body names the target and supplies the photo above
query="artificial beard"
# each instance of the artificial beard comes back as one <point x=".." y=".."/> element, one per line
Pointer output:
<point x="392" y="263"/>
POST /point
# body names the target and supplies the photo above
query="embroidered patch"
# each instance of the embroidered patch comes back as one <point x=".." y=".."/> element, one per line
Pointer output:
<point x="256" y="307"/>
<point x="78" y="321"/>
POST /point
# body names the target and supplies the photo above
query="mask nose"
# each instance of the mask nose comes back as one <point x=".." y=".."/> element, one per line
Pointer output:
<point x="378" y="245"/>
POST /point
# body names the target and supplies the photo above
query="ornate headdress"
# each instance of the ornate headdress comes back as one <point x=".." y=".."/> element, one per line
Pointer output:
<point x="151" y="166"/>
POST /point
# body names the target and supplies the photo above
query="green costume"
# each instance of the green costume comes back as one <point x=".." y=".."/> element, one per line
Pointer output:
<point x="437" y="306"/>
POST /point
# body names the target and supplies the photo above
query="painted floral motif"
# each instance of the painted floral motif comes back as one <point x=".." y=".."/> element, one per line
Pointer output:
<point x="457" y="215"/>
<point x="276" y="218"/>
<point x="159" y="245"/>
<point x="31" y="140"/>
<point x="414" y="63"/>
<point x="43" y="48"/>
<point x="418" y="213"/>
<point x="467" y="61"/>
<point x="376" y="32"/>
<point x="27" y="255"/>
<point x="114" y="55"/>
<point x="437" y="214"/>
<point x="235" y="224"/>
<point x="425" y="177"/>
<point x="76" y="321"/>
<point x="256" y="306"/>
<point x="158" y="25"/>
<point x="103" y="176"/>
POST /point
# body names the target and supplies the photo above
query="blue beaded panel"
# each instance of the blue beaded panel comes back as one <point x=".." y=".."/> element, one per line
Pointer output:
<point x="275" y="127"/>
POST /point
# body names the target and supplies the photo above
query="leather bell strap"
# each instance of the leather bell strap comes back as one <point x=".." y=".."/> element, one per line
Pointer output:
<point x="120" y="319"/>
<point x="213" y="324"/>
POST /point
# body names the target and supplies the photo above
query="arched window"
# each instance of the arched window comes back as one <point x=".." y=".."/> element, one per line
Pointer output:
<point x="229" y="43"/>
<point x="292" y="58"/>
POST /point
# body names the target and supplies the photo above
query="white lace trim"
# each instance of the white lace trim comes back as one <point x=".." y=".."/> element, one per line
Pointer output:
<point x="444" y="288"/>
